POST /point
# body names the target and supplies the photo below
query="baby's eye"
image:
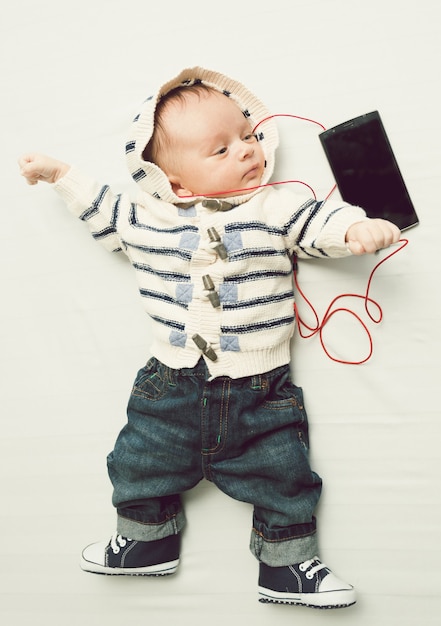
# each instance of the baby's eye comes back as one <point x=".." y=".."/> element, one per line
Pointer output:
<point x="222" y="151"/>
<point x="250" y="138"/>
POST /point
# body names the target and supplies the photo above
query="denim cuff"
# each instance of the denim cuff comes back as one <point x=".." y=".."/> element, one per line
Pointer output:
<point x="140" y="531"/>
<point x="284" y="546"/>
<point x="284" y="552"/>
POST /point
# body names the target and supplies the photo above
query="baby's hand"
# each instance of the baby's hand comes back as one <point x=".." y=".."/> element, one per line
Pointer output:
<point x="35" y="167"/>
<point x="371" y="235"/>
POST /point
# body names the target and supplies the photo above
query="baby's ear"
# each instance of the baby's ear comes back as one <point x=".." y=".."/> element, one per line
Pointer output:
<point x="178" y="188"/>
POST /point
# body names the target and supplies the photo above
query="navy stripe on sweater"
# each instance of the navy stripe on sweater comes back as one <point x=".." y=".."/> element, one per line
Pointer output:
<point x="176" y="252"/>
<point x="260" y="301"/>
<point x="174" y="230"/>
<point x="161" y="297"/>
<point x="250" y="253"/>
<point x="258" y="275"/>
<point x="106" y="232"/>
<point x="254" y="225"/>
<point x="168" y="276"/>
<point x="95" y="206"/>
<point x="169" y="323"/>
<point x="257" y="326"/>
<point x="313" y="246"/>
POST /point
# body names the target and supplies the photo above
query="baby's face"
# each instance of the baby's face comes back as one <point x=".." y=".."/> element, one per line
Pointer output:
<point x="214" y="150"/>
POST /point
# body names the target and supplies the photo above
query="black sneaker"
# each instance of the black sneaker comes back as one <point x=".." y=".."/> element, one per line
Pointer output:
<point x="123" y="556"/>
<point x="310" y="583"/>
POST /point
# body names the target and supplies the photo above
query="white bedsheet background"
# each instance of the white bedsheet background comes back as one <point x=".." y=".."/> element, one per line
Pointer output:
<point x="73" y="333"/>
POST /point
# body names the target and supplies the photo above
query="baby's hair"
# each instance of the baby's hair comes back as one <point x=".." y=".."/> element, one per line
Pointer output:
<point x="160" y="142"/>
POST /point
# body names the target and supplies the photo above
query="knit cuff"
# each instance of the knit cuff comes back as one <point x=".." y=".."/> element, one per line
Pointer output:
<point x="77" y="190"/>
<point x="333" y="238"/>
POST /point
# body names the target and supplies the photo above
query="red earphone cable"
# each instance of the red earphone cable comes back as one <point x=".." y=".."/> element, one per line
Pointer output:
<point x="297" y="117"/>
<point x="330" y="312"/>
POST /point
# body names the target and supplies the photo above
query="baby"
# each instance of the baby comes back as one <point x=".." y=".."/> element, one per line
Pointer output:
<point x="211" y="243"/>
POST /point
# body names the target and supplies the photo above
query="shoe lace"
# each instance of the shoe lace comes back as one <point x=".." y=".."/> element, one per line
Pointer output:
<point x="117" y="542"/>
<point x="311" y="567"/>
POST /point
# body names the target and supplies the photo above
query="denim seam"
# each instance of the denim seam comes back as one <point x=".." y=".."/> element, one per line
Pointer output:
<point x="168" y="518"/>
<point x="260" y="534"/>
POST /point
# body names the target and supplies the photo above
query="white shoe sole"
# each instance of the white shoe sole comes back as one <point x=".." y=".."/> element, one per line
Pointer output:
<point x="162" y="569"/>
<point x="320" y="600"/>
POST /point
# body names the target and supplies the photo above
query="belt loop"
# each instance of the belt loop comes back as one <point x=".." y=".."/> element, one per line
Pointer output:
<point x="256" y="382"/>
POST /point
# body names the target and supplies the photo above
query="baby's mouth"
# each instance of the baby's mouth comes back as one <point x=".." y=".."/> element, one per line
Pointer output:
<point x="252" y="172"/>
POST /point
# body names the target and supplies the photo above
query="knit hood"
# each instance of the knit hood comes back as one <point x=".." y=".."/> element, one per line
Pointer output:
<point x="151" y="178"/>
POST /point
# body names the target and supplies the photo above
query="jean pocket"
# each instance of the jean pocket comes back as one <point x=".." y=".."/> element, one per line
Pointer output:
<point x="151" y="382"/>
<point x="288" y="398"/>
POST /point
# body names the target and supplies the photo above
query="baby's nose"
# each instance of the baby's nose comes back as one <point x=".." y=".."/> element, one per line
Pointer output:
<point x="246" y="150"/>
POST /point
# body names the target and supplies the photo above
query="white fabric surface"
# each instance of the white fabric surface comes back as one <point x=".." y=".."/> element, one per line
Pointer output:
<point x="73" y="333"/>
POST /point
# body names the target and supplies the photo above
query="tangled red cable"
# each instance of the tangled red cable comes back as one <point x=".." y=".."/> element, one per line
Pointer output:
<point x="331" y="311"/>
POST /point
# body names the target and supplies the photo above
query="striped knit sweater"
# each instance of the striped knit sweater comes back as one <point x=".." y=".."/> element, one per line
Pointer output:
<point x="224" y="294"/>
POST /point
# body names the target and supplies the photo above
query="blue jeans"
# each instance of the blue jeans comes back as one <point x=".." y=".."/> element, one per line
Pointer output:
<point x="249" y="436"/>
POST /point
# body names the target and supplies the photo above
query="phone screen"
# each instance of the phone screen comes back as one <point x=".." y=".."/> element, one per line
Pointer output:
<point x="366" y="171"/>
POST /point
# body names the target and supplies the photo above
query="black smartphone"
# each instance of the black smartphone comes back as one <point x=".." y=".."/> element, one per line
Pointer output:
<point x="366" y="170"/>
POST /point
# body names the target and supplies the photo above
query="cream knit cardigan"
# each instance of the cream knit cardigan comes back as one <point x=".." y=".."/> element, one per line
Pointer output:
<point x="246" y="328"/>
